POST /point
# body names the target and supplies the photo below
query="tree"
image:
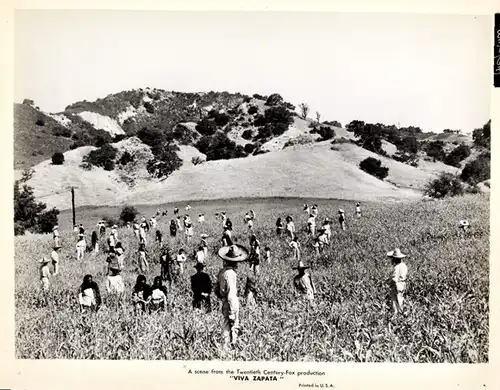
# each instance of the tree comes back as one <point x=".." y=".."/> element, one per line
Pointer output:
<point x="149" y="107"/>
<point x="370" y="137"/>
<point x="477" y="170"/>
<point x="304" y="110"/>
<point x="247" y="134"/>
<point x="408" y="144"/>
<point x="374" y="167"/>
<point x="150" y="136"/>
<point x="445" y="185"/>
<point x="30" y="215"/>
<point x="435" y="149"/>
<point x="128" y="214"/>
<point x="355" y="126"/>
<point x="456" y="155"/>
<point x="103" y="157"/>
<point x="206" y="126"/>
<point x="274" y="99"/>
<point x="166" y="161"/>
<point x="482" y="136"/>
<point x="57" y="158"/>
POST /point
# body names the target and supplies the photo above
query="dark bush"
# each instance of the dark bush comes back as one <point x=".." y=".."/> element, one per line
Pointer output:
<point x="128" y="214"/>
<point x="40" y="122"/>
<point x="445" y="185"/>
<point x="206" y="126"/>
<point x="103" y="157"/>
<point x="333" y="123"/>
<point x="435" y="150"/>
<point x="219" y="147"/>
<point x="149" y="107"/>
<point x="220" y="119"/>
<point x="477" y="170"/>
<point x="101" y="137"/>
<point x="482" y="137"/>
<point x="110" y="221"/>
<point x="290" y="106"/>
<point x="274" y="99"/>
<point x="165" y="162"/>
<point x="249" y="148"/>
<point x="247" y="134"/>
<point x="259" y="120"/>
<point x="374" y="167"/>
<point x="326" y="132"/>
<point x="150" y="136"/>
<point x="119" y="137"/>
<point x="408" y="145"/>
<point x="456" y="155"/>
<point x="247" y="99"/>
<point x="260" y="97"/>
<point x="58" y="158"/>
<point x="125" y="158"/>
<point x="61" y="131"/>
<point x="253" y="110"/>
<point x="183" y="135"/>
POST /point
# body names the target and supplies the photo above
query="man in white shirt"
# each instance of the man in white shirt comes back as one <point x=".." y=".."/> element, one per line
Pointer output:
<point x="54" y="256"/>
<point x="227" y="290"/>
<point x="311" y="224"/>
<point x="397" y="282"/>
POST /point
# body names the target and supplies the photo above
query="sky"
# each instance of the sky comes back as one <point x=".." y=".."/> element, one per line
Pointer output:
<point x="431" y="71"/>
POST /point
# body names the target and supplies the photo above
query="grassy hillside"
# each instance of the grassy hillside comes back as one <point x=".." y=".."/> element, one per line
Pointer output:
<point x="446" y="298"/>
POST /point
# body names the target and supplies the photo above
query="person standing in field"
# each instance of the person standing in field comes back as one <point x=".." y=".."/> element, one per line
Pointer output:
<point x="295" y="245"/>
<point x="142" y="234"/>
<point x="54" y="256"/>
<point x="154" y="224"/>
<point x="176" y="211"/>
<point x="303" y="282"/>
<point x="200" y="255"/>
<point x="140" y="294"/>
<point x="120" y="255"/>
<point x="136" y="229"/>
<point x="279" y="226"/>
<point x="112" y="261"/>
<point x="159" y="238"/>
<point x="157" y="299"/>
<point x="81" y="229"/>
<point x="201" y="286"/>
<point x="166" y="264"/>
<point x="204" y="244"/>
<point x="81" y="245"/>
<point x="311" y="225"/>
<point x="111" y="243"/>
<point x="250" y="224"/>
<point x="95" y="242"/>
<point x="89" y="296"/>
<point x="228" y="224"/>
<point x="316" y="246"/>
<point x="201" y="219"/>
<point x="114" y="232"/>
<point x="143" y="262"/>
<point x="227" y="290"/>
<point x="267" y="254"/>
<point x="397" y="282"/>
<point x="44" y="274"/>
<point x="342" y="219"/>
<point x="306" y="209"/>
<point x="179" y="223"/>
<point x="75" y="229"/>
<point x="55" y="235"/>
<point x="255" y="255"/>
<point x="173" y="228"/>
<point x="189" y="231"/>
<point x="114" y="283"/>
<point x="463" y="227"/>
<point x="358" y="210"/>
<point x="290" y="227"/>
<point x="328" y="229"/>
<point x="226" y="237"/>
<point x="181" y="259"/>
<point x="314" y="210"/>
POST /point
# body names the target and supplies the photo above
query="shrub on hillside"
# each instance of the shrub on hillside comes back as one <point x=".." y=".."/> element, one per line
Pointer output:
<point x="206" y="126"/>
<point x="125" y="158"/>
<point x="303" y="139"/>
<point x="183" y="135"/>
<point x="101" y="137"/>
<point x="435" y="150"/>
<point x="219" y="147"/>
<point x="40" y="122"/>
<point x="220" y="119"/>
<point x="253" y="110"/>
<point x="249" y="148"/>
<point x="259" y="97"/>
<point x="150" y="136"/>
<point x="445" y="185"/>
<point x="128" y="214"/>
<point x="333" y="123"/>
<point x="30" y="215"/>
<point x="482" y="136"/>
<point x="457" y="155"/>
<point x="326" y="132"/>
<point x="477" y="170"/>
<point x="149" y="107"/>
<point x="58" y="158"/>
<point x="166" y="161"/>
<point x="274" y="99"/>
<point x="61" y="131"/>
<point x="247" y="134"/>
<point x="102" y="157"/>
<point x="119" y="137"/>
<point x="110" y="220"/>
<point x="374" y="167"/>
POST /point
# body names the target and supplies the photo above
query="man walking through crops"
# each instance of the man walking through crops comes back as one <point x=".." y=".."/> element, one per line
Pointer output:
<point x="303" y="282"/>
<point x="226" y="289"/>
<point x="397" y="282"/>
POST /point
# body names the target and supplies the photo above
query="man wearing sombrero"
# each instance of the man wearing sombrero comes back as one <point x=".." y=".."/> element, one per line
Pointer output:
<point x="227" y="290"/>
<point x="397" y="282"/>
<point x="303" y="282"/>
<point x="342" y="219"/>
<point x="54" y="256"/>
<point x="55" y="235"/>
<point x="463" y="226"/>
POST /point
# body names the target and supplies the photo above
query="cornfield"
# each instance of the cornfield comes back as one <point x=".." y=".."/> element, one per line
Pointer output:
<point x="447" y="294"/>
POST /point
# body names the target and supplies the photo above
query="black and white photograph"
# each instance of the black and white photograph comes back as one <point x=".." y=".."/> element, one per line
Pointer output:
<point x="252" y="186"/>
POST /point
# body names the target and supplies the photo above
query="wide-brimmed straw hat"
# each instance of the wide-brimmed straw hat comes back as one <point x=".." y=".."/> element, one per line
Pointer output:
<point x="341" y="211"/>
<point x="55" y="227"/>
<point x="203" y="235"/>
<point x="396" y="253"/>
<point x="234" y="253"/>
<point x="57" y="247"/>
<point x="44" y="260"/>
<point x="463" y="222"/>
<point x="301" y="266"/>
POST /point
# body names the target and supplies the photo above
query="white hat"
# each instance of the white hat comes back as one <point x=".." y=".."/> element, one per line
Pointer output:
<point x="396" y="253"/>
<point x="341" y="211"/>
<point x="44" y="260"/>
<point x="55" y="227"/>
<point x="463" y="222"/>
<point x="203" y="235"/>
<point x="233" y="253"/>
<point x="301" y="266"/>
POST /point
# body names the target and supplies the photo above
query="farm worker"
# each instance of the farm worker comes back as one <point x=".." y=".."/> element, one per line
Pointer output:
<point x="44" y="273"/>
<point x="187" y="220"/>
<point x="188" y="207"/>
<point x="111" y="243"/>
<point x="55" y="235"/>
<point x="136" y="229"/>
<point x="153" y="222"/>
<point x="189" y="232"/>
<point x="143" y="262"/>
<point x="252" y="214"/>
<point x="81" y="230"/>
<point x="114" y="282"/>
<point x="463" y="226"/>
<point x="179" y="224"/>
<point x="223" y="218"/>
<point x="140" y="294"/>
<point x="358" y="210"/>
<point x="316" y="246"/>
<point x="112" y="261"/>
<point x="201" y="218"/>
<point x="226" y="237"/>
<point x="342" y="219"/>
<point x="157" y="299"/>
<point x="253" y="242"/>
<point x="181" y="259"/>
<point x="142" y="234"/>
<point x="120" y="255"/>
<point x="255" y="257"/>
<point x="295" y="245"/>
<point x="95" y="242"/>
<point x="247" y="217"/>
<point x="251" y="291"/>
<point x="328" y="228"/>
<point x="201" y="286"/>
<point x="54" y="256"/>
<point x="228" y="224"/>
<point x="227" y="290"/>
<point x="173" y="228"/>
<point x="322" y="238"/>
<point x="306" y="208"/>
<point x="311" y="224"/>
<point x="166" y="265"/>
<point x="114" y="232"/>
<point x="303" y="282"/>
<point x="164" y="213"/>
<point x="102" y="229"/>
<point x="200" y="255"/>
<point x="250" y="224"/>
<point x="75" y="229"/>
<point x="267" y="254"/>
<point x="314" y="210"/>
<point x="290" y="227"/>
<point x="204" y="244"/>
<point x="80" y="247"/>
<point x="397" y="282"/>
<point x="159" y="238"/>
<point x="89" y="296"/>
<point x="279" y="226"/>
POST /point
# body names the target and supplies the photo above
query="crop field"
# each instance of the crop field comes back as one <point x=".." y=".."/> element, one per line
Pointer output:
<point x="447" y="296"/>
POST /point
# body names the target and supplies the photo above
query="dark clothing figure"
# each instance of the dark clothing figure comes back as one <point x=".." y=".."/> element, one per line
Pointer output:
<point x="89" y="294"/>
<point x="201" y="285"/>
<point x="173" y="228"/>
<point x="81" y="230"/>
<point x="279" y="226"/>
<point x="102" y="230"/>
<point x="176" y="211"/>
<point x="157" y="299"/>
<point x="141" y="293"/>
<point x="229" y="224"/>
<point x="166" y="264"/>
<point x="159" y="237"/>
<point x="94" y="239"/>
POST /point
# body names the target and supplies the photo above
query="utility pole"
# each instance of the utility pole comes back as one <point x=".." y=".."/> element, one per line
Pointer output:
<point x="73" y="205"/>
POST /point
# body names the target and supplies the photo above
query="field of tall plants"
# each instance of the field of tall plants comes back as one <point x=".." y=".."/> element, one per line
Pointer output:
<point x="447" y="294"/>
